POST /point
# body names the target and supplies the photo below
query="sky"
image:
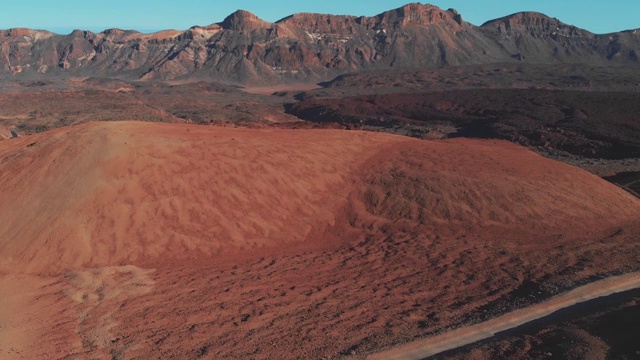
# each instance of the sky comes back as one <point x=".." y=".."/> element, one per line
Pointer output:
<point x="62" y="16"/>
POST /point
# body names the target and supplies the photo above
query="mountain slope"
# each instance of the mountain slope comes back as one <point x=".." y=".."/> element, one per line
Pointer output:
<point x="537" y="38"/>
<point x="244" y="48"/>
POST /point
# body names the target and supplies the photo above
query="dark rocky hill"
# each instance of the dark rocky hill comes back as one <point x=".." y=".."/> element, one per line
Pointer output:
<point x="303" y="47"/>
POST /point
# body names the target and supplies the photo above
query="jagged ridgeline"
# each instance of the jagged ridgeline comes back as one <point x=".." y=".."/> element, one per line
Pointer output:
<point x="305" y="46"/>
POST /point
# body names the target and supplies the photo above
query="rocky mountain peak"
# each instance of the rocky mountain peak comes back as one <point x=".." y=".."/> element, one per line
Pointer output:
<point x="16" y="32"/>
<point x="523" y="21"/>
<point x="22" y="32"/>
<point x="319" y="24"/>
<point x="242" y="20"/>
<point x="419" y="14"/>
<point x="456" y="15"/>
<point x="536" y="25"/>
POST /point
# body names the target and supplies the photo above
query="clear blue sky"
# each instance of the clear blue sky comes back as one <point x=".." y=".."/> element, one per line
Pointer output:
<point x="599" y="16"/>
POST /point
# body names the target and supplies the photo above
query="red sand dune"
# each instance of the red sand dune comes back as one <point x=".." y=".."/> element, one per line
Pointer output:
<point x="140" y="240"/>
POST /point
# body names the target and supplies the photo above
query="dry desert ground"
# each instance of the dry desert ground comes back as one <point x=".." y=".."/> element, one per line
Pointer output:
<point x="132" y="240"/>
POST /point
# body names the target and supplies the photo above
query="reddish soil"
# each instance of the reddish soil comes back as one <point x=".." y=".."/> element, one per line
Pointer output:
<point x="140" y="240"/>
<point x="269" y="90"/>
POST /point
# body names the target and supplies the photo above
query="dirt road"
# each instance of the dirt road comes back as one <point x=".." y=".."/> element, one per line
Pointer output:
<point x="468" y="335"/>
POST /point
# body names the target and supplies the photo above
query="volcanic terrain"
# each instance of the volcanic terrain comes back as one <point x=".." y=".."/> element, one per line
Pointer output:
<point x="311" y="47"/>
<point x="138" y="240"/>
<point x="320" y="187"/>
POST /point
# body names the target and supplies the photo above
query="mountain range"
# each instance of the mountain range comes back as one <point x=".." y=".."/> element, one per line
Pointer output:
<point x="302" y="47"/>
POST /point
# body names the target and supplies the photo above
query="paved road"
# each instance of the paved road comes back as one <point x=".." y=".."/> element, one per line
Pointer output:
<point x="468" y="335"/>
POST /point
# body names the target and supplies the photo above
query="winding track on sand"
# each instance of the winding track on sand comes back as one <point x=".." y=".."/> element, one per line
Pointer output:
<point x="471" y="334"/>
